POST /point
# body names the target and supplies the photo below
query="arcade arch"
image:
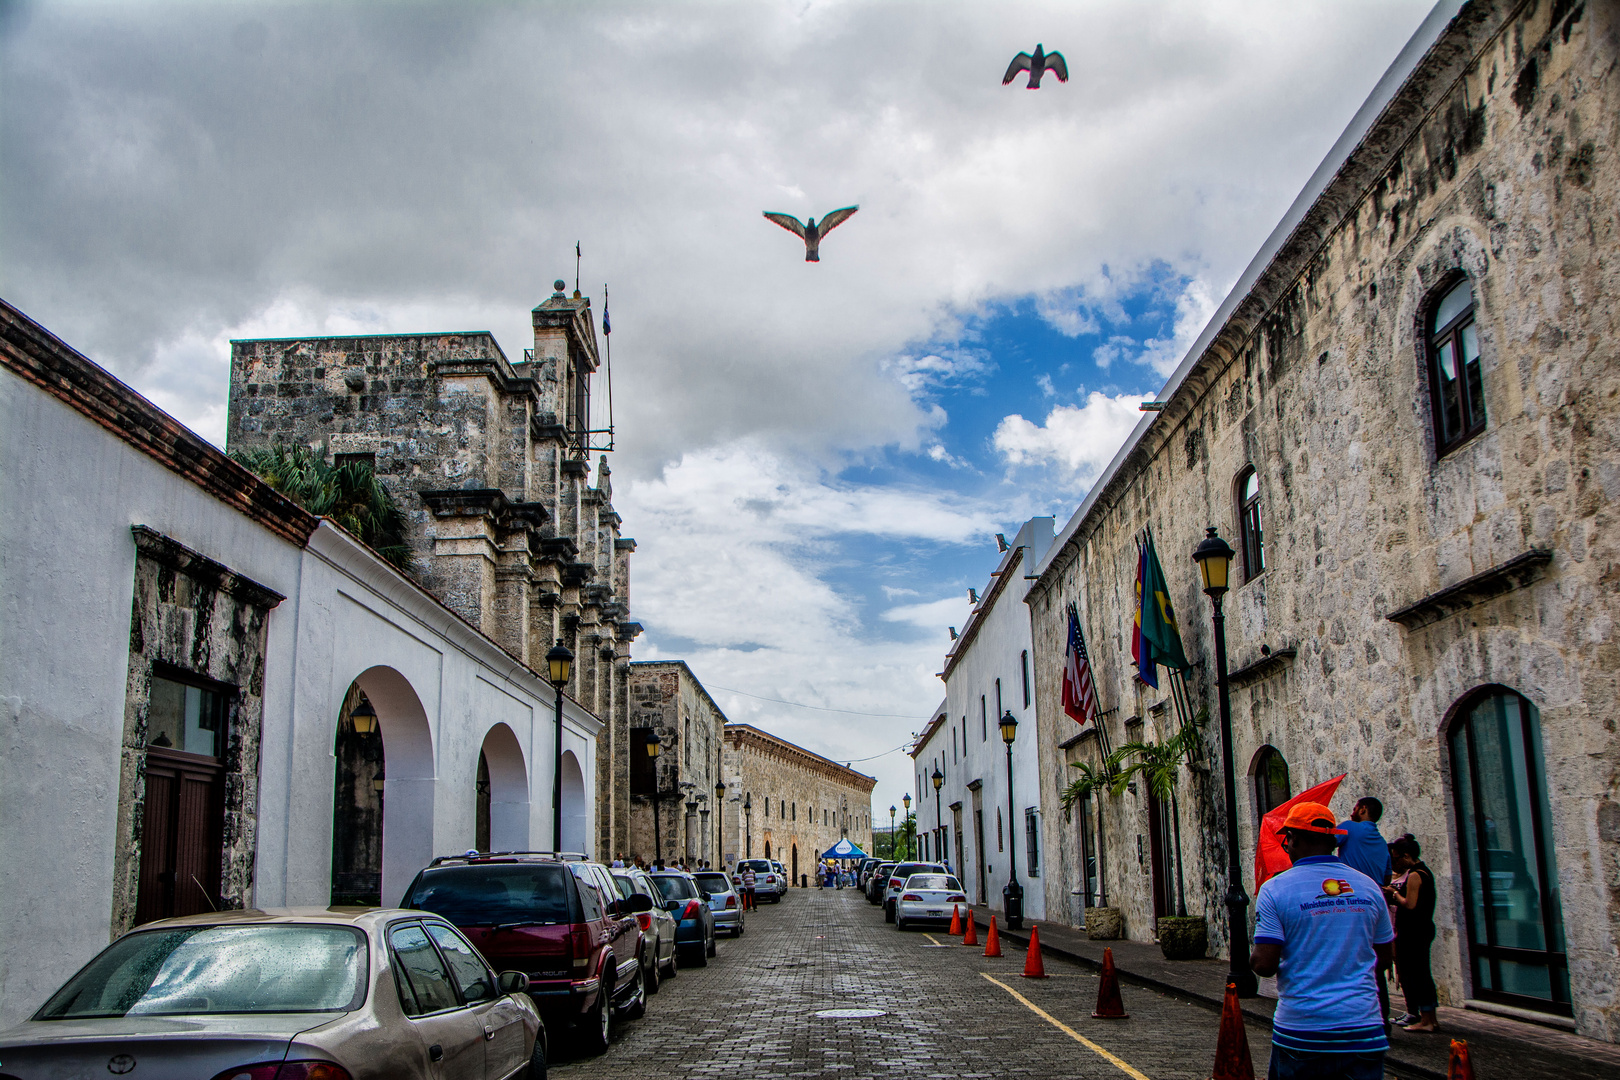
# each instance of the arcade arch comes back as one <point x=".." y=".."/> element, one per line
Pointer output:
<point x="503" y="793"/>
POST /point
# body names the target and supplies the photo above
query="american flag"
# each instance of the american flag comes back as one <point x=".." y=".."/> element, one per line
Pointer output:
<point x="1079" y="692"/>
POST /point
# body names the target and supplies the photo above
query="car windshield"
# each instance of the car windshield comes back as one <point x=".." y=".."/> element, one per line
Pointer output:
<point x="490" y="895"/>
<point x="712" y="883"/>
<point x="676" y="888"/>
<point x="905" y="870"/>
<point x="201" y="970"/>
<point x="936" y="882"/>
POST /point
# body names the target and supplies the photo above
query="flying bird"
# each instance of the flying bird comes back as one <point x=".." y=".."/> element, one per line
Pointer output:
<point x="812" y="231"/>
<point x="1037" y="65"/>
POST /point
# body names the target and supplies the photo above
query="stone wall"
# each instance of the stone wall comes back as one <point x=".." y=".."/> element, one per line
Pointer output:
<point x="664" y="697"/>
<point x="1494" y="163"/>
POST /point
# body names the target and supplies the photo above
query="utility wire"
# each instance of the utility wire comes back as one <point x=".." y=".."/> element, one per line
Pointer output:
<point x="818" y="708"/>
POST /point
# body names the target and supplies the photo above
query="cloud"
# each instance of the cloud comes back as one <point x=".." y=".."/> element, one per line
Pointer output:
<point x="934" y="615"/>
<point x="1195" y="305"/>
<point x="1078" y="440"/>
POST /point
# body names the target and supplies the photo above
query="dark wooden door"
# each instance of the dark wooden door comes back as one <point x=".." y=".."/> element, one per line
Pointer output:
<point x="181" y="835"/>
<point x="1159" y="855"/>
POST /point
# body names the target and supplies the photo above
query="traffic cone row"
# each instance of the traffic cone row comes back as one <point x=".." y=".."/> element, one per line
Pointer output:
<point x="992" y="943"/>
<point x="1034" y="967"/>
<point x="1232" y="1061"/>
<point x="956" y="920"/>
<point x="970" y="935"/>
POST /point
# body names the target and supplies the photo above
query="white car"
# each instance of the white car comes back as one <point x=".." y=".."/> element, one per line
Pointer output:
<point x="928" y="897"/>
<point x="769" y="883"/>
<point x="898" y="877"/>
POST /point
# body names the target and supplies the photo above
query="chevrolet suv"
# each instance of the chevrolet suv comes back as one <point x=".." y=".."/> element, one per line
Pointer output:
<point x="561" y="921"/>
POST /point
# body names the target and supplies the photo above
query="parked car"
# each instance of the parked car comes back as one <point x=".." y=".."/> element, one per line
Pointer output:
<point x="768" y="883"/>
<point x="657" y="925"/>
<point x="877" y="881"/>
<point x="377" y="994"/>
<point x="897" y="878"/>
<point x="862" y="870"/>
<point x="928" y="897"/>
<point x="723" y="900"/>
<point x="694" y="926"/>
<point x="783" y="876"/>
<point x="561" y="922"/>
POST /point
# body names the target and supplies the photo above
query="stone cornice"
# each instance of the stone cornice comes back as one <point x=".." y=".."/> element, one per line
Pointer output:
<point x="1515" y="573"/>
<point x="764" y="742"/>
<point x="176" y="556"/>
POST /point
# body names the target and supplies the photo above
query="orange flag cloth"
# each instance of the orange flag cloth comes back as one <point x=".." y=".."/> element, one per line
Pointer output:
<point x="1269" y="857"/>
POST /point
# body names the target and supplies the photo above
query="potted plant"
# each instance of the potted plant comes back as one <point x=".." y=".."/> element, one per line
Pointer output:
<point x="1103" y="923"/>
<point x="1181" y="937"/>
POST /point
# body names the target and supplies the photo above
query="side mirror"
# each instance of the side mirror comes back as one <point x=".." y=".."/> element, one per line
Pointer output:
<point x="673" y="905"/>
<point x="705" y="897"/>
<point x="513" y="982"/>
<point x="635" y="903"/>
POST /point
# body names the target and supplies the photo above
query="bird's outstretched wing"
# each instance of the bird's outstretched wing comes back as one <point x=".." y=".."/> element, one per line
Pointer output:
<point x="1021" y="62"/>
<point x="787" y="221"/>
<point x="1056" y="65"/>
<point x="836" y="218"/>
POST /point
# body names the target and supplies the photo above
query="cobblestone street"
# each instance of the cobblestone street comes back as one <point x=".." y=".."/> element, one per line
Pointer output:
<point x="948" y="1012"/>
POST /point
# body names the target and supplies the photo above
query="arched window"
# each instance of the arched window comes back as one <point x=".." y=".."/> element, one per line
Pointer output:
<point x="1504" y="835"/>
<point x="1456" y="388"/>
<point x="1251" y="537"/>
<point x="1271" y="787"/>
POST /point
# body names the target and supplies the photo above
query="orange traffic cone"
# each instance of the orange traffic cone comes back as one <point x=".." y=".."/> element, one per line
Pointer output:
<point x="970" y="935"/>
<point x="992" y="943"/>
<point x="1460" y="1068"/>
<point x="956" y="921"/>
<point x="1232" y="1061"/>
<point x="1034" y="968"/>
<point x="1109" y="1004"/>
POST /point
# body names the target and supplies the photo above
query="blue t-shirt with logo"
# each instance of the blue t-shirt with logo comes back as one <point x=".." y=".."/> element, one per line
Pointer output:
<point x="1363" y="848"/>
<point x="1327" y="917"/>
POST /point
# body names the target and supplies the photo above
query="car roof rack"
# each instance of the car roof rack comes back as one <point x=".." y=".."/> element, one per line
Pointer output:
<point x="491" y="856"/>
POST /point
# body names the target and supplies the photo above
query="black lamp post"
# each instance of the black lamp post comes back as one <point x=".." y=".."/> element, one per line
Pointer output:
<point x="1013" y="894"/>
<point x="892" y="848"/>
<point x="653" y="747"/>
<point x="691" y="816"/>
<point x="559" y="666"/>
<point x="748" y="825"/>
<point x="939" y="822"/>
<point x="906" y="800"/>
<point x="1214" y="558"/>
<point x="719" y="823"/>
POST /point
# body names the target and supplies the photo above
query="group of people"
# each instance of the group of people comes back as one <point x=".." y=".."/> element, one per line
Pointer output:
<point x="1329" y="928"/>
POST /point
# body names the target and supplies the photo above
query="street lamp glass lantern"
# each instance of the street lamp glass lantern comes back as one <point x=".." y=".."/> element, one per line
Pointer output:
<point x="653" y="745"/>
<point x="559" y="664"/>
<point x="906" y="798"/>
<point x="938" y="778"/>
<point x="1214" y="558"/>
<point x="364" y="718"/>
<point x="1009" y="727"/>
<point x="720" y="790"/>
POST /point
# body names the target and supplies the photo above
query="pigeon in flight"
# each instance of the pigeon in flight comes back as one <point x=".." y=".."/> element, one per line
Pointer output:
<point x="812" y="231"/>
<point x="1037" y="65"/>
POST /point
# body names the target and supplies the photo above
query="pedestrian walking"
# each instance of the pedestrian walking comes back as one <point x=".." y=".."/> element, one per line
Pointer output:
<point x="1414" y="933"/>
<point x="1364" y="848"/>
<point x="1321" y="928"/>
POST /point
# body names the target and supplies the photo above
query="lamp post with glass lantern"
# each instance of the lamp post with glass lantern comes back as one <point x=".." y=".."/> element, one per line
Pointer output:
<point x="559" y="665"/>
<point x="653" y="746"/>
<point x="748" y="823"/>
<point x="906" y="800"/>
<point x="892" y="848"/>
<point x="1013" y="894"/>
<point x="1214" y="558"/>
<point x="939" y="822"/>
<point x="719" y="824"/>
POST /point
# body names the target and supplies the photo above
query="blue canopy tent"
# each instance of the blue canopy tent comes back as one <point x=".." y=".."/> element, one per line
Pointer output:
<point x="843" y="850"/>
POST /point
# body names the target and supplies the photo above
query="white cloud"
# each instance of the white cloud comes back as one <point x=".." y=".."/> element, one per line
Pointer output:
<point x="1078" y="440"/>
<point x="933" y="615"/>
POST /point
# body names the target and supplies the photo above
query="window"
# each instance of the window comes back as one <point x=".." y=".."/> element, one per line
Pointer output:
<point x="999" y="845"/>
<point x="1032" y="840"/>
<point x="1456" y="388"/>
<point x="472" y="978"/>
<point x="1088" y="854"/>
<point x="781" y="808"/>
<point x="1514" y="912"/>
<point x="425" y="986"/>
<point x="767" y="809"/>
<point x="984" y="723"/>
<point x="1023" y="664"/>
<point x="1250" y="537"/>
<point x="795" y="811"/>
<point x="999" y="706"/>
<point x="1271" y="787"/>
<point x="182" y="716"/>
<point x="687" y="740"/>
<point x="643" y="766"/>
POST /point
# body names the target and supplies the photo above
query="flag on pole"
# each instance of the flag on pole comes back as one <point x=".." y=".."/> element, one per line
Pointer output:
<point x="1141" y="649"/>
<point x="1269" y="857"/>
<point x="1079" y="691"/>
<point x="1159" y="629"/>
<point x="607" y="326"/>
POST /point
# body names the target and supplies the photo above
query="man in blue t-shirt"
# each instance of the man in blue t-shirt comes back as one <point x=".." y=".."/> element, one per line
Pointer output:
<point x="1322" y="928"/>
<point x="1364" y="848"/>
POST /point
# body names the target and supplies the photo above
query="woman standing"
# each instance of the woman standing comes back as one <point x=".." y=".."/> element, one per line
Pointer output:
<point x="1414" y="932"/>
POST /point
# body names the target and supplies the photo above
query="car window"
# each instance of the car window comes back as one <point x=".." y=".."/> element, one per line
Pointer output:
<point x="675" y="888"/>
<point x="590" y="898"/>
<point x="712" y="883"/>
<point x="758" y="866"/>
<point x="219" y="969"/>
<point x="426" y="985"/>
<point x="626" y="887"/>
<point x="930" y="881"/>
<point x="471" y="976"/>
<point x="490" y="895"/>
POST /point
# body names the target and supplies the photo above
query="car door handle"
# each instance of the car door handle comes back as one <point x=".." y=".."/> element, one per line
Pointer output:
<point x="489" y="1033"/>
<point x="436" y="1052"/>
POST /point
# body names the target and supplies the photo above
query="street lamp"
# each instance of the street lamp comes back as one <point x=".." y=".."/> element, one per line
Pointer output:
<point x="1214" y="558"/>
<point x="691" y="815"/>
<point x="559" y="665"/>
<point x="1013" y="894"/>
<point x="364" y="717"/>
<point x="906" y="799"/>
<point x="891" y="830"/>
<point x="748" y="824"/>
<point x="653" y="747"/>
<point x="939" y="822"/>
<point x="719" y="823"/>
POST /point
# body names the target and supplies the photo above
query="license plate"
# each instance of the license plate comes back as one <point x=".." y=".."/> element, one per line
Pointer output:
<point x="936" y="913"/>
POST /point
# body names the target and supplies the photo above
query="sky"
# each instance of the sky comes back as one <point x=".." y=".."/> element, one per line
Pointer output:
<point x="813" y="457"/>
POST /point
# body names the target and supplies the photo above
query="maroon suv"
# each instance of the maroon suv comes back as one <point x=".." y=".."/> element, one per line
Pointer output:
<point x="560" y="921"/>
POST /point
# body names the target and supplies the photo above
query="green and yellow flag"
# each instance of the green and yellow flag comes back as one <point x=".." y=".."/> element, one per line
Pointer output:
<point x="1158" y="615"/>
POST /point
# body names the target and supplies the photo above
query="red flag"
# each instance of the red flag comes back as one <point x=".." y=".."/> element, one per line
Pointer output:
<point x="1079" y="691"/>
<point x="1269" y="857"/>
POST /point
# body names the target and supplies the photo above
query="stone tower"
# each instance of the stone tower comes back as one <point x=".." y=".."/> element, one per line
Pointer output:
<point x="491" y="462"/>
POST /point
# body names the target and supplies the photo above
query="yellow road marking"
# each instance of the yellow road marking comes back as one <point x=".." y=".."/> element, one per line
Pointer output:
<point x="931" y="937"/>
<point x="1120" y="1063"/>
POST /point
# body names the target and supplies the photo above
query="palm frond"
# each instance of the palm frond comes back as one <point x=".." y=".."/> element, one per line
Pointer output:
<point x="350" y="495"/>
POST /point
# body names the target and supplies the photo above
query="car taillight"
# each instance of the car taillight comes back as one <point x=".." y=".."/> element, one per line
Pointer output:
<point x="956" y="899"/>
<point x="287" y="1070"/>
<point x="769" y="878"/>
<point x="912" y="896"/>
<point x="897" y="883"/>
<point x="731" y="901"/>
<point x="692" y="908"/>
<point x="644" y="920"/>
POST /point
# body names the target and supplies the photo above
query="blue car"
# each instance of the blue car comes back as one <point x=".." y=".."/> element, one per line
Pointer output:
<point x="694" y="922"/>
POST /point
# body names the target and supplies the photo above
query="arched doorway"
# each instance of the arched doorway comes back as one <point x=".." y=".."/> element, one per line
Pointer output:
<point x="795" y="878"/>
<point x="502" y="822"/>
<point x="382" y="794"/>
<point x="573" y="805"/>
<point x="767" y="848"/>
<point x="1272" y="788"/>
<point x="1515" y="922"/>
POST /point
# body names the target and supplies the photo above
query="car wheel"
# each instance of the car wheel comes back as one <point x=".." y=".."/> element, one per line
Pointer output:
<point x="899" y="923"/>
<point x="593" y="1026"/>
<point x="699" y="957"/>
<point x="888" y="913"/>
<point x="674" y="962"/>
<point x="537" y="1060"/>
<point x="635" y="1006"/>
<point x="713" y="938"/>
<point x="651" y="976"/>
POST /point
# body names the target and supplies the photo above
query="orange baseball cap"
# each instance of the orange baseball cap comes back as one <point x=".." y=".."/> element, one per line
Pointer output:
<point x="1312" y="817"/>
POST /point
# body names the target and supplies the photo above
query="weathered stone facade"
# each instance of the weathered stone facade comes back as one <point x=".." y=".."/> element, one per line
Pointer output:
<point x="785" y="803"/>
<point x="666" y="699"/>
<point x="1398" y="582"/>
<point x="490" y="461"/>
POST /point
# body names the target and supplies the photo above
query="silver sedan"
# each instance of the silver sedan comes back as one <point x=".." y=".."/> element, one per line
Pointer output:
<point x="285" y="995"/>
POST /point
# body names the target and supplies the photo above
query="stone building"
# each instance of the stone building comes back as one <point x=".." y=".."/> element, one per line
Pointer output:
<point x="1404" y="418"/>
<point x="786" y="803"/>
<point x="491" y="462"/>
<point x="667" y="702"/>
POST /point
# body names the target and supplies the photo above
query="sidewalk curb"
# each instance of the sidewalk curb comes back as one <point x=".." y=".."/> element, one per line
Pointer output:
<point x="1392" y="1064"/>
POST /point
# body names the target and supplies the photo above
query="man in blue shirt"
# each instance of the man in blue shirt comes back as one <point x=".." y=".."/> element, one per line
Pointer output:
<point x="1364" y="848"/>
<point x="1322" y="927"/>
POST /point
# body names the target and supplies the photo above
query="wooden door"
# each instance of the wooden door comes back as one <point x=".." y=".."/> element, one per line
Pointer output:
<point x="181" y="835"/>
<point x="1159" y="855"/>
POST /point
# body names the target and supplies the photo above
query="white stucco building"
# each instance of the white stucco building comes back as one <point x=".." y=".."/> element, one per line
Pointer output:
<point x="182" y="650"/>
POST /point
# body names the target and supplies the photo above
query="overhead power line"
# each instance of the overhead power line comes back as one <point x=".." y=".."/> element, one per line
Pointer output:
<point x="818" y="708"/>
